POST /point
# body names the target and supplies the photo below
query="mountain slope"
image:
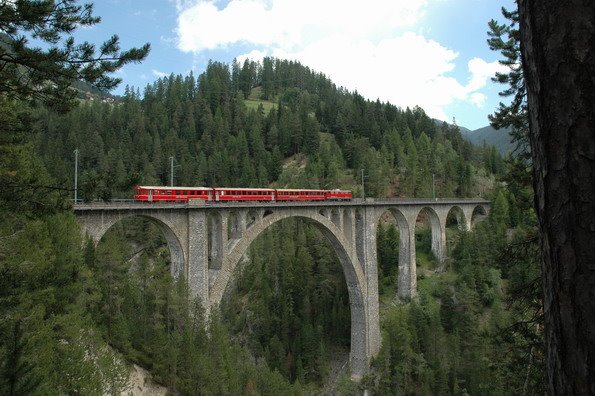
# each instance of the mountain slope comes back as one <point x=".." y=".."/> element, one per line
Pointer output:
<point x="492" y="137"/>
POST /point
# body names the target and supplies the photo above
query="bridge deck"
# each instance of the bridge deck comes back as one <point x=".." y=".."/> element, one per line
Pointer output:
<point x="133" y="205"/>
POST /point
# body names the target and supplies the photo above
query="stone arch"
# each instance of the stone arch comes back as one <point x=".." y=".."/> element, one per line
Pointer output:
<point x="354" y="277"/>
<point x="236" y="222"/>
<point x="252" y="217"/>
<point x="176" y="251"/>
<point x="479" y="213"/>
<point x="336" y="217"/>
<point x="348" y="224"/>
<point x="457" y="213"/>
<point x="359" y="234"/>
<point x="407" y="276"/>
<point x="217" y="233"/>
<point x="437" y="226"/>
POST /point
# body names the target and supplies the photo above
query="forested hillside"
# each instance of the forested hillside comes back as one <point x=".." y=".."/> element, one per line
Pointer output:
<point x="239" y="125"/>
<point x="285" y="324"/>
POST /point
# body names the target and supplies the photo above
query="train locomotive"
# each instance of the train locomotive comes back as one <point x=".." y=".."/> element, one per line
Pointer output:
<point x="229" y="194"/>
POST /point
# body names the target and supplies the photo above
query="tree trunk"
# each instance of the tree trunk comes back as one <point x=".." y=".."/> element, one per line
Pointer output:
<point x="557" y="42"/>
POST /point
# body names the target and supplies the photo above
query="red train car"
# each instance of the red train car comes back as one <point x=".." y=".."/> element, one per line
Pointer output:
<point x="338" y="195"/>
<point x="230" y="194"/>
<point x="173" y="194"/>
<point x="243" y="194"/>
<point x="300" y="195"/>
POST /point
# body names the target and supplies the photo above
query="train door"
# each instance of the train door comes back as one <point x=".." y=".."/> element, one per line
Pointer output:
<point x="150" y="197"/>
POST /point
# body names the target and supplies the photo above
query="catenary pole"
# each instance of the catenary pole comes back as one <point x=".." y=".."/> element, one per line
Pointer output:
<point x="171" y="180"/>
<point x="76" y="171"/>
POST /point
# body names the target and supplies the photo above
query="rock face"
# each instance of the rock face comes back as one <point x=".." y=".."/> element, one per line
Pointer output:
<point x="140" y="383"/>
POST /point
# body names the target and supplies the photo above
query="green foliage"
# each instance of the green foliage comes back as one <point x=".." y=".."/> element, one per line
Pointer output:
<point x="46" y="334"/>
<point x="476" y="328"/>
<point x="48" y="74"/>
<point x="505" y="38"/>
<point x="217" y="140"/>
<point x="291" y="305"/>
<point x="150" y="318"/>
<point x="61" y="304"/>
<point x="388" y="258"/>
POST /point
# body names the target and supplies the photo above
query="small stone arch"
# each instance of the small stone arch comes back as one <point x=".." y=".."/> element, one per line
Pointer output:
<point x="407" y="276"/>
<point x="457" y="213"/>
<point x="479" y="213"/>
<point x="217" y="233"/>
<point x="236" y="222"/>
<point x="252" y="217"/>
<point x="438" y="232"/>
<point x="348" y="224"/>
<point x="336" y="217"/>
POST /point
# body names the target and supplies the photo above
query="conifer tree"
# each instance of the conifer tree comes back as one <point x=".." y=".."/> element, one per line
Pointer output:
<point x="48" y="74"/>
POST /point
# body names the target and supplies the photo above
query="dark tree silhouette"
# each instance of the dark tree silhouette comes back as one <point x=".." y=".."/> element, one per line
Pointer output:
<point x="559" y="67"/>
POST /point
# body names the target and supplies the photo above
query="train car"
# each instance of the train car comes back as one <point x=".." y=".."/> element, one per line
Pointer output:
<point x="225" y="194"/>
<point x="300" y="195"/>
<point x="338" y="195"/>
<point x="230" y="194"/>
<point x="172" y="194"/>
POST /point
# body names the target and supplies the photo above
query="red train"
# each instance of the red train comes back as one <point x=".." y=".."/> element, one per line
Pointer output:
<point x="224" y="194"/>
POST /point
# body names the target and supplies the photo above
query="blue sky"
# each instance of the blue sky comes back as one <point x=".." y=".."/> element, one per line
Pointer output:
<point x="431" y="53"/>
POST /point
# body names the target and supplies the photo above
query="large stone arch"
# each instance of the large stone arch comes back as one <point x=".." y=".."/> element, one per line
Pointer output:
<point x="407" y="277"/>
<point x="356" y="281"/>
<point x="97" y="229"/>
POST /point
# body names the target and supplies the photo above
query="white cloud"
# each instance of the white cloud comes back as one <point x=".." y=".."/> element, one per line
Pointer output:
<point x="159" y="73"/>
<point x="288" y="23"/>
<point x="478" y="99"/>
<point x="481" y="71"/>
<point x="359" y="45"/>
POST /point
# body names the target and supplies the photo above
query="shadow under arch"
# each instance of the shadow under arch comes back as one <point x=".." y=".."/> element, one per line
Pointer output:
<point x="176" y="251"/>
<point x="352" y="272"/>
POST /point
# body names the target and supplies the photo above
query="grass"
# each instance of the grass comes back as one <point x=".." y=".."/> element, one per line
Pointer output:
<point x="254" y="100"/>
<point x="253" y="104"/>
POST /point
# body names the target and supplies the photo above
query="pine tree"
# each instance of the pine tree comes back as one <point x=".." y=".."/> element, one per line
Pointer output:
<point x="27" y="69"/>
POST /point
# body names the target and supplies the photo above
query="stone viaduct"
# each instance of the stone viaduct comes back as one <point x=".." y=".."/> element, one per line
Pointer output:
<point x="207" y="241"/>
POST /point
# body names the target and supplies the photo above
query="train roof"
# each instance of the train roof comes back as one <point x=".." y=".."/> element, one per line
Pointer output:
<point x="173" y="188"/>
<point x="301" y="189"/>
<point x="237" y="189"/>
<point x="244" y="189"/>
